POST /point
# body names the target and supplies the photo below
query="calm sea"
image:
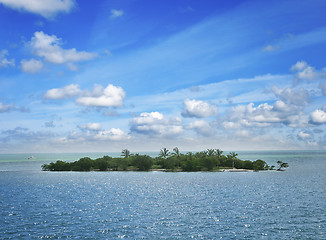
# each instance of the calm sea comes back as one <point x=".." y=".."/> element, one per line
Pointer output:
<point x="158" y="205"/>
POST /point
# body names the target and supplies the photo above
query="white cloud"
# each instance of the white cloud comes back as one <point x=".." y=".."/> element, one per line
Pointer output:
<point x="156" y="124"/>
<point x="6" y="107"/>
<point x="303" y="135"/>
<point x="297" y="120"/>
<point x="116" y="13"/>
<point x="73" y="137"/>
<point x="72" y="67"/>
<point x="312" y="144"/>
<point x="24" y="135"/>
<point x="271" y="48"/>
<point x="318" y="116"/>
<point x="111" y="96"/>
<point x="202" y="127"/>
<point x="91" y="127"/>
<point x="11" y="107"/>
<point x="262" y="115"/>
<point x="49" y="48"/>
<point x="31" y="66"/>
<point x="243" y="133"/>
<point x="198" y="109"/>
<point x="148" y="118"/>
<point x="114" y="134"/>
<point x="45" y="8"/>
<point x="299" y="97"/>
<point x="231" y="125"/>
<point x="92" y="133"/>
<point x="4" y="62"/>
<point x="265" y="115"/>
<point x="63" y="93"/>
<point x="299" y="66"/>
<point x="322" y="86"/>
<point x="304" y="72"/>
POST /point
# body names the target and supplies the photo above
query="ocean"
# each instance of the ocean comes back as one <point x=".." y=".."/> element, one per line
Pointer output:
<point x="163" y="205"/>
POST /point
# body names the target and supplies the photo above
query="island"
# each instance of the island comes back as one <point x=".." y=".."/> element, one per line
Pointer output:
<point x="208" y="160"/>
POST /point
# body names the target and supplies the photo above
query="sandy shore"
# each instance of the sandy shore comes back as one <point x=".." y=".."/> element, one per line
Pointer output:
<point x="236" y="170"/>
<point x="221" y="170"/>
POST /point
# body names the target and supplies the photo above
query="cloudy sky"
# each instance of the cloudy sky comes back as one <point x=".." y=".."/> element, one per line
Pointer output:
<point x="80" y="75"/>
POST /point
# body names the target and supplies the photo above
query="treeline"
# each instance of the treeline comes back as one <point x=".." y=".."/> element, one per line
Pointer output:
<point x="209" y="160"/>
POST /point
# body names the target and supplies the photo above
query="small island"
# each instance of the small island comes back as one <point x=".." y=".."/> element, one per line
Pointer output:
<point x="210" y="160"/>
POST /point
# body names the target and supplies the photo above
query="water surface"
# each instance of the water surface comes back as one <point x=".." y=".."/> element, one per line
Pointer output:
<point x="158" y="205"/>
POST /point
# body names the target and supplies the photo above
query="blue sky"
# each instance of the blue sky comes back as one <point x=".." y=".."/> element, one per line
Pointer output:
<point x="113" y="74"/>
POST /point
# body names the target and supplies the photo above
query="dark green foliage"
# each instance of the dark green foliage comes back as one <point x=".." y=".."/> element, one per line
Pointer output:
<point x="223" y="160"/>
<point x="247" y="164"/>
<point x="228" y="162"/>
<point x="190" y="163"/>
<point x="282" y="165"/>
<point x="125" y="153"/>
<point x="238" y="163"/>
<point x="164" y="153"/>
<point x="209" y="160"/>
<point x="208" y="163"/>
<point x="232" y="157"/>
<point x="101" y="164"/>
<point x="260" y="165"/>
<point x="123" y="163"/>
<point x="169" y="163"/>
<point x="83" y="164"/>
<point x="142" y="162"/>
<point x="57" y="166"/>
<point x="218" y="153"/>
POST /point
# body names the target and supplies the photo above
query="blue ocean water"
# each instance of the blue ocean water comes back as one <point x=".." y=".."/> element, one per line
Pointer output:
<point x="158" y="205"/>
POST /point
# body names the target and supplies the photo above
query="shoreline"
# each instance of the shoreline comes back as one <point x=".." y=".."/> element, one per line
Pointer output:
<point x="167" y="170"/>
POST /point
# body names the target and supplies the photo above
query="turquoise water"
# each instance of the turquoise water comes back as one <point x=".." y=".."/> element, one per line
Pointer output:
<point x="158" y="205"/>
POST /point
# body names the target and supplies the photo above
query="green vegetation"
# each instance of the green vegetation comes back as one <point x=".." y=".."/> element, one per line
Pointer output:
<point x="282" y="165"/>
<point x="209" y="160"/>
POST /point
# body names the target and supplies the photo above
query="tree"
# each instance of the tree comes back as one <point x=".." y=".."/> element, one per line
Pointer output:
<point x="101" y="164"/>
<point x="208" y="163"/>
<point x="125" y="153"/>
<point x="123" y="163"/>
<point x="57" y="166"/>
<point x="259" y="165"/>
<point x="176" y="152"/>
<point x="232" y="156"/>
<point x="83" y="164"/>
<point x="164" y="153"/>
<point x="142" y="162"/>
<point x="169" y="163"/>
<point x="210" y="152"/>
<point x="247" y="164"/>
<point x="282" y="165"/>
<point x="218" y="153"/>
<point x="190" y="162"/>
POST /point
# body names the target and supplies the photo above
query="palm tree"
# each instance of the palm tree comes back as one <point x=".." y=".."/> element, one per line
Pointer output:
<point x="176" y="152"/>
<point x="210" y="152"/>
<point x="177" y="155"/>
<point x="190" y="155"/>
<point x="282" y="165"/>
<point x="164" y="153"/>
<point x="218" y="153"/>
<point x="232" y="155"/>
<point x="125" y="153"/>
